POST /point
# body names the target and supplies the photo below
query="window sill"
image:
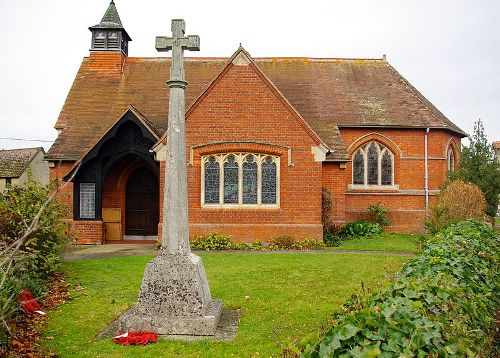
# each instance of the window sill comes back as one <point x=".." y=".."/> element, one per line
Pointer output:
<point x="240" y="207"/>
<point x="373" y="187"/>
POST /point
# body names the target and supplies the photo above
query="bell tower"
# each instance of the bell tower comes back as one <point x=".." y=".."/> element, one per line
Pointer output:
<point x="109" y="34"/>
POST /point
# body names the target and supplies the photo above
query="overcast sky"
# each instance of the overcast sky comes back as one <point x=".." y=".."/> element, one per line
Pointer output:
<point x="449" y="50"/>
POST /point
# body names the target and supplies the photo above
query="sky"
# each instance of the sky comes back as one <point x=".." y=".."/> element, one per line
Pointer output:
<point x="449" y="50"/>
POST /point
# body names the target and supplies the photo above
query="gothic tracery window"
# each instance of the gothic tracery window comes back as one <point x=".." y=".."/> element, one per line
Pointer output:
<point x="240" y="179"/>
<point x="373" y="164"/>
<point x="450" y="159"/>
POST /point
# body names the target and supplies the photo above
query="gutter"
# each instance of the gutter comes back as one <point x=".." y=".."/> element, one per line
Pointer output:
<point x="426" y="169"/>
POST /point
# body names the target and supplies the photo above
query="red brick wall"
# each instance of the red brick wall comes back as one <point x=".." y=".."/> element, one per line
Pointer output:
<point x="334" y="179"/>
<point x="66" y="194"/>
<point x="88" y="231"/>
<point x="107" y="61"/>
<point x="242" y="105"/>
<point x="407" y="205"/>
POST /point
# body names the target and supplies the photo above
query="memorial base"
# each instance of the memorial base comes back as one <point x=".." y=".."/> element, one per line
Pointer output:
<point x="174" y="299"/>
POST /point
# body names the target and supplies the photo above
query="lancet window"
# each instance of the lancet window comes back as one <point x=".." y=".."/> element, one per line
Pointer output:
<point x="450" y="159"/>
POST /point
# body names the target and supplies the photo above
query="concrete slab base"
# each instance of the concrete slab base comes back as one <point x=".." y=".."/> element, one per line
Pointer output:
<point x="204" y="325"/>
<point x="226" y="329"/>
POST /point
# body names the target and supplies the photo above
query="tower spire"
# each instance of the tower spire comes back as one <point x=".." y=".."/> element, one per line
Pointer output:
<point x="109" y="34"/>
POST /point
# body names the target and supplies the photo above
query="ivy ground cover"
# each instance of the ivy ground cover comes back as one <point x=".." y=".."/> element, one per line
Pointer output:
<point x="282" y="298"/>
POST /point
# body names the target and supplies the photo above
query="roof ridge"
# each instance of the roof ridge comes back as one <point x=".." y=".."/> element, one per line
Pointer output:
<point x="14" y="149"/>
<point x="221" y="58"/>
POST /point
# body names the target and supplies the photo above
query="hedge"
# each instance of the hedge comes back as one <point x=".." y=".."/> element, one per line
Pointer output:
<point x="442" y="303"/>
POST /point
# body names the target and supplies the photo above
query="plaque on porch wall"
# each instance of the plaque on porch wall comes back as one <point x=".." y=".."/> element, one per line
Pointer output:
<point x="87" y="200"/>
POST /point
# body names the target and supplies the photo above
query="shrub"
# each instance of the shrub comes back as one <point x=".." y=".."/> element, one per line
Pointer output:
<point x="442" y="303"/>
<point x="327" y="212"/>
<point x="332" y="240"/>
<point x="458" y="201"/>
<point x="27" y="266"/>
<point x="285" y="242"/>
<point x="360" y="228"/>
<point x="378" y="214"/>
<point x="18" y="206"/>
<point x="214" y="241"/>
<point x="478" y="166"/>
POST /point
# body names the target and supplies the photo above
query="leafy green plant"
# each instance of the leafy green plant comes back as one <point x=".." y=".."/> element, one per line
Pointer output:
<point x="442" y="303"/>
<point x="378" y="214"/>
<point x="332" y="240"/>
<point x="359" y="228"/>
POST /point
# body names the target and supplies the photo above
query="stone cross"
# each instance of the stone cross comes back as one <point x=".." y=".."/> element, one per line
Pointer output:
<point x="177" y="44"/>
<point x="175" y="233"/>
<point x="175" y="298"/>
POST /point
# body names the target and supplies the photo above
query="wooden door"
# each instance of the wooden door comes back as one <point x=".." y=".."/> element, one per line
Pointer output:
<point x="141" y="202"/>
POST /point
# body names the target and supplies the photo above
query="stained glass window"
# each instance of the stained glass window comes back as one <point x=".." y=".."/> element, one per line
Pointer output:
<point x="451" y="160"/>
<point x="256" y="175"/>
<point x="212" y="174"/>
<point x="358" y="168"/>
<point x="268" y="181"/>
<point x="250" y="180"/>
<point x="231" y="180"/>
<point x="372" y="164"/>
<point x="386" y="169"/>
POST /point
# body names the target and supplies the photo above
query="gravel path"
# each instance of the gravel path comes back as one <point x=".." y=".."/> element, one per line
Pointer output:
<point x="120" y="250"/>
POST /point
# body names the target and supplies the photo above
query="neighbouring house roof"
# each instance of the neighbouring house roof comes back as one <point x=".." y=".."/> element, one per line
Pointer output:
<point x="496" y="145"/>
<point x="13" y="162"/>
<point x="327" y="93"/>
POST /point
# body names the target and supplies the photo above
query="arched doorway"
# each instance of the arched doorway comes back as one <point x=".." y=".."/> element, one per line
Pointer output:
<point x="141" y="204"/>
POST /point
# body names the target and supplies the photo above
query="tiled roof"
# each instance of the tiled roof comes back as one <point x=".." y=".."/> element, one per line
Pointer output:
<point x="496" y="145"/>
<point x="13" y="162"/>
<point x="327" y="93"/>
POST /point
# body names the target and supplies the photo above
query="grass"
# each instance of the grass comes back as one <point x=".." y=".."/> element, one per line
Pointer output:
<point x="384" y="242"/>
<point x="289" y="296"/>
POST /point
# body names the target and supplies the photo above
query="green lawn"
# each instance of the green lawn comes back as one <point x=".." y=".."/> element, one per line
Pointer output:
<point x="383" y="242"/>
<point x="290" y="296"/>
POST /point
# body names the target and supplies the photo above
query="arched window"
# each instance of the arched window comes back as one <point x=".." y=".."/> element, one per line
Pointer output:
<point x="240" y="179"/>
<point x="373" y="164"/>
<point x="450" y="159"/>
<point x="212" y="174"/>
<point x="230" y="180"/>
<point x="250" y="180"/>
<point x="268" y="181"/>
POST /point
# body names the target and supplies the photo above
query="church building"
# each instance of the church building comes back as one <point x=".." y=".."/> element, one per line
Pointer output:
<point x="264" y="137"/>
